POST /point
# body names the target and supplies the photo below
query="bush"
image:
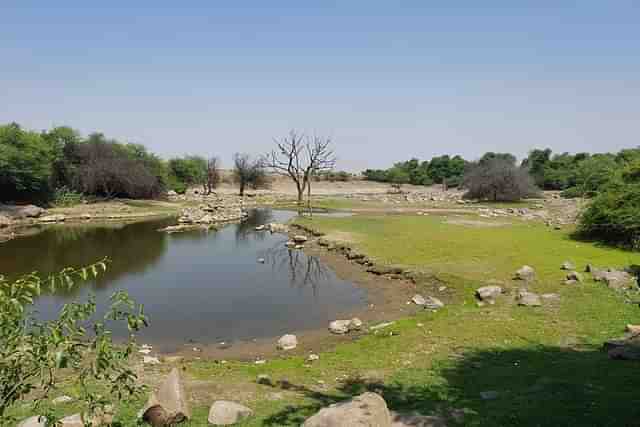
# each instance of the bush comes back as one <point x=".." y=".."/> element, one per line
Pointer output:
<point x="63" y="197"/>
<point x="614" y="216"/>
<point x="498" y="179"/>
<point x="34" y="355"/>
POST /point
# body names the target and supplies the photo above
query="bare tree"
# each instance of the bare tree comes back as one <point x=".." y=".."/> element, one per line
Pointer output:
<point x="498" y="180"/>
<point x="213" y="174"/>
<point x="301" y="157"/>
<point x="248" y="173"/>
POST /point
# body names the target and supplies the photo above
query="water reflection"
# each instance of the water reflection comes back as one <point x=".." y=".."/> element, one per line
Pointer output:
<point x="196" y="286"/>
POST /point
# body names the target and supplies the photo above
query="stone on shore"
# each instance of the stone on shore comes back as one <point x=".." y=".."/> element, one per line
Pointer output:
<point x="526" y="273"/>
<point x="287" y="342"/>
<point x="169" y="404"/>
<point x="366" y="410"/>
<point x="224" y="413"/>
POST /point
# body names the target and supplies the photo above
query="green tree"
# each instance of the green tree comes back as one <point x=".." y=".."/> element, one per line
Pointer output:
<point x="25" y="163"/>
<point x="187" y="171"/>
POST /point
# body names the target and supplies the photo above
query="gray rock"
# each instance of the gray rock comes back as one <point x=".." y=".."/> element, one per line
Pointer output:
<point x="339" y="327"/>
<point x="618" y="279"/>
<point x="74" y="420"/>
<point x="627" y="348"/>
<point x="170" y="403"/>
<point x="526" y="273"/>
<point x="528" y="299"/>
<point x="567" y="265"/>
<point x="62" y="399"/>
<point x="367" y="410"/>
<point x="574" y="275"/>
<point x="36" y="421"/>
<point x="287" y="342"/>
<point x="418" y="300"/>
<point x="299" y="238"/>
<point x="29" y="211"/>
<point x="224" y="413"/>
<point x="487" y="293"/>
<point x="433" y="303"/>
<point x="277" y="228"/>
<point x="414" y="420"/>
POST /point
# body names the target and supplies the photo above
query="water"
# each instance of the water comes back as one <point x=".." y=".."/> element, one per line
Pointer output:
<point x="197" y="287"/>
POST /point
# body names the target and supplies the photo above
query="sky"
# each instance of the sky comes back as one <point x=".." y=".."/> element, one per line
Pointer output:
<point x="386" y="80"/>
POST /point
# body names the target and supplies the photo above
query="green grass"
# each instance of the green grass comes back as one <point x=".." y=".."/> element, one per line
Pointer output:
<point x="545" y="363"/>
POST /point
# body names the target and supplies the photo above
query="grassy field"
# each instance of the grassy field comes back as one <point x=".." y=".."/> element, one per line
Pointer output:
<point x="544" y="364"/>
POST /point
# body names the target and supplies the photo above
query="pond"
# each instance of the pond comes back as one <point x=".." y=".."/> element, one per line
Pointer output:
<point x="196" y="287"/>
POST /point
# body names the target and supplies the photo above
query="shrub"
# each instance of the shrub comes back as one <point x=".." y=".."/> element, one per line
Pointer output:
<point x="498" y="179"/>
<point x="63" y="197"/>
<point x="34" y="355"/>
<point x="614" y="216"/>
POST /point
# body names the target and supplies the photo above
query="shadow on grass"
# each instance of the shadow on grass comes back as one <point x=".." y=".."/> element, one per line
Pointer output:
<point x="534" y="386"/>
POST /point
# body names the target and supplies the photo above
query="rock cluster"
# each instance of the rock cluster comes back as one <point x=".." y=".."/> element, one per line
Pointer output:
<point x="341" y="327"/>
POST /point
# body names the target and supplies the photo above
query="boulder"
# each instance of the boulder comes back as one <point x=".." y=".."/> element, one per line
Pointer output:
<point x="287" y="342"/>
<point x="224" y="413"/>
<point x="633" y="329"/>
<point x="618" y="279"/>
<point x="575" y="276"/>
<point x="488" y="293"/>
<point x="418" y="300"/>
<point x="340" y="327"/>
<point x="74" y="420"/>
<point x="299" y="238"/>
<point x="567" y="265"/>
<point x="29" y="211"/>
<point x="528" y="299"/>
<point x="277" y="228"/>
<point x="623" y="349"/>
<point x="171" y="193"/>
<point x="61" y="400"/>
<point x="355" y="324"/>
<point x="414" y="420"/>
<point x="526" y="273"/>
<point x="169" y="405"/>
<point x="366" y="410"/>
<point x="4" y="221"/>
<point x="260" y="228"/>
<point x="433" y="303"/>
<point x="36" y="421"/>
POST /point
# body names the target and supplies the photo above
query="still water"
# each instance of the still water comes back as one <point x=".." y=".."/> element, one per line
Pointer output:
<point x="197" y="287"/>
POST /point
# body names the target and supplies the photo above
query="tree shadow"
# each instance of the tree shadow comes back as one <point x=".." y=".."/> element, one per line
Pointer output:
<point x="532" y="386"/>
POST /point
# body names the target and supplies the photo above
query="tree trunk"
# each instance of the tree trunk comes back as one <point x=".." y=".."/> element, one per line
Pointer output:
<point x="242" y="185"/>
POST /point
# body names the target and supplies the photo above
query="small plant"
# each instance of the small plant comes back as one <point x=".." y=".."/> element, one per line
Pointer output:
<point x="64" y="197"/>
<point x="36" y="356"/>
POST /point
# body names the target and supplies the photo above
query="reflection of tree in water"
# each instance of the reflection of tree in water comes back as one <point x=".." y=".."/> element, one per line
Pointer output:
<point x="303" y="270"/>
<point x="247" y="227"/>
<point x="132" y="248"/>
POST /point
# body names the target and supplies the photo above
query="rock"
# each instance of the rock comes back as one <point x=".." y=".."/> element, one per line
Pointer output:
<point x="575" y="276"/>
<point x="355" y="324"/>
<point x="414" y="420"/>
<point x="86" y="216"/>
<point x="623" y="349"/>
<point x="323" y="242"/>
<point x="339" y="327"/>
<point x="4" y="221"/>
<point x="528" y="299"/>
<point x="224" y="413"/>
<point x="102" y="416"/>
<point x="618" y="279"/>
<point x="260" y="228"/>
<point x="150" y="360"/>
<point x="36" y="421"/>
<point x="381" y="326"/>
<point x="261" y="260"/>
<point x="633" y="329"/>
<point x="287" y="342"/>
<point x="169" y="405"/>
<point x="313" y="358"/>
<point x="526" y="273"/>
<point x="172" y="193"/>
<point x="488" y="293"/>
<point x="264" y="379"/>
<point x="173" y="359"/>
<point x="61" y="400"/>
<point x="53" y="218"/>
<point x="433" y="303"/>
<point x="74" y="420"/>
<point x="418" y="300"/>
<point x="366" y="410"/>
<point x="207" y="219"/>
<point x="381" y="270"/>
<point x="567" y="265"/>
<point x="29" y="211"/>
<point x="299" y="238"/>
<point x="278" y="228"/>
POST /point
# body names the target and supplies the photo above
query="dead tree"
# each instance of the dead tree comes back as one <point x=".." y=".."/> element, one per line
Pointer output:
<point x="248" y="173"/>
<point x="301" y="157"/>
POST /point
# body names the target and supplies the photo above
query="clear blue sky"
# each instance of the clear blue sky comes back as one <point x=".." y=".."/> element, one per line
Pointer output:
<point x="386" y="79"/>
